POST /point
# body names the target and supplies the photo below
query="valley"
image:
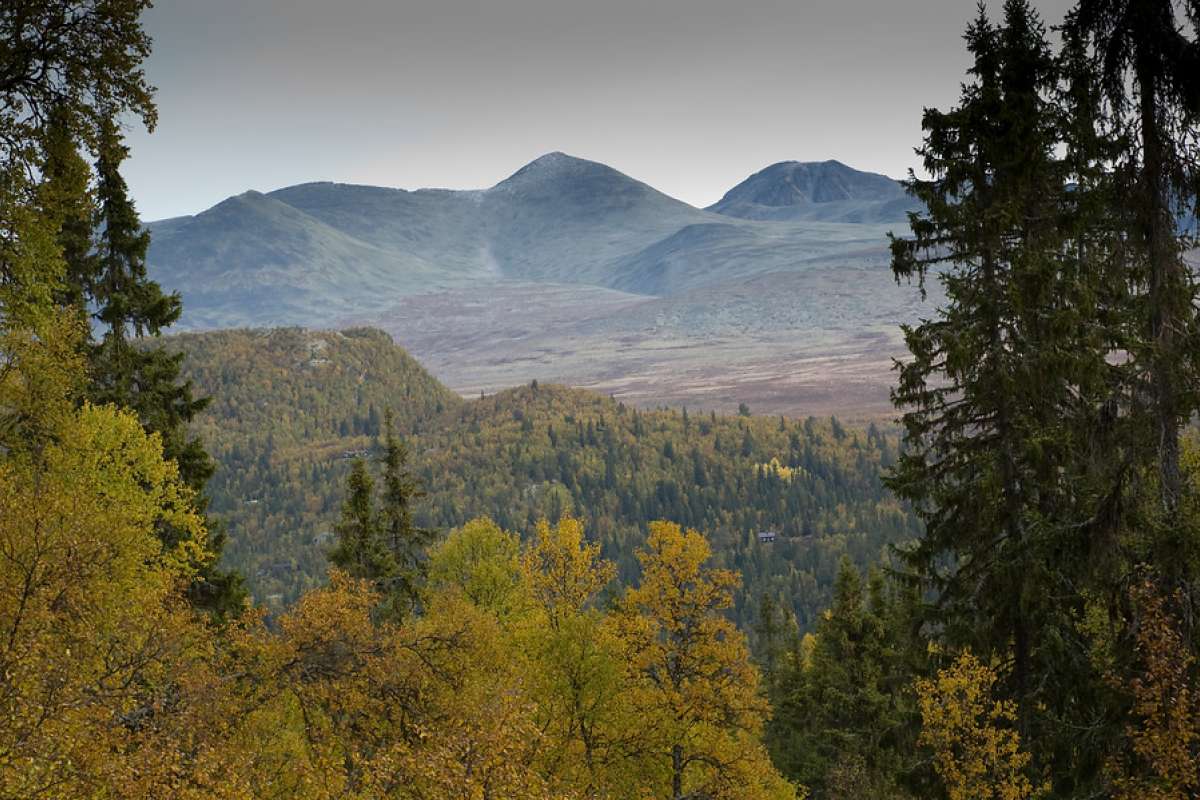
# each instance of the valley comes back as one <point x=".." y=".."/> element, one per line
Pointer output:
<point x="766" y="342"/>
<point x="780" y="296"/>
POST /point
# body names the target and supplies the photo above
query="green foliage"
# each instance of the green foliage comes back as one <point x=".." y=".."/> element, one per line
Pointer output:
<point x="1044" y="402"/>
<point x="66" y="196"/>
<point x="128" y="370"/>
<point x="382" y="545"/>
<point x="1147" y="70"/>
<point x="290" y="406"/>
<point x="70" y="238"/>
<point x="844" y="720"/>
<point x="1014" y="426"/>
<point x="360" y="551"/>
<point x="406" y="542"/>
<point x="482" y="561"/>
<point x="77" y="60"/>
<point x="68" y="69"/>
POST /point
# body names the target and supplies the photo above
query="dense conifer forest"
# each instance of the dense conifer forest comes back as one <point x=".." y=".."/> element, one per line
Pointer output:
<point x="537" y="594"/>
<point x="292" y="408"/>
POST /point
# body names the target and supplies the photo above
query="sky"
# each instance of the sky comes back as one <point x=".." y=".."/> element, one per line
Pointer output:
<point x="689" y="96"/>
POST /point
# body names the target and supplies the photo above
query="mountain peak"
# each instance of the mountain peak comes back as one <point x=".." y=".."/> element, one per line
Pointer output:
<point x="239" y="204"/>
<point x="554" y="166"/>
<point x="816" y="190"/>
<point x="796" y="182"/>
<point x="552" y="158"/>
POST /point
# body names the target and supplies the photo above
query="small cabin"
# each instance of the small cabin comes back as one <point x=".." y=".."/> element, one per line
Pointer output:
<point x="766" y="537"/>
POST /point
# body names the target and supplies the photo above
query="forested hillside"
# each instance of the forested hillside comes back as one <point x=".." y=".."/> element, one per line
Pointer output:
<point x="292" y="407"/>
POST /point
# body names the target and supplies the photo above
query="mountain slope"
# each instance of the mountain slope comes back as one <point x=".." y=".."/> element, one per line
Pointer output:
<point x="826" y="191"/>
<point x="725" y="250"/>
<point x="318" y="253"/>
<point x="254" y="259"/>
<point x="270" y="378"/>
<point x="566" y="220"/>
<point x="438" y="226"/>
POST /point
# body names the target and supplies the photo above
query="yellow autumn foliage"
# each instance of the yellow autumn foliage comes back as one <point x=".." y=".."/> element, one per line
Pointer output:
<point x="976" y="749"/>
<point x="513" y="682"/>
<point x="782" y="471"/>
<point x="97" y="641"/>
<point x="1163" y="732"/>
<point x="694" y="694"/>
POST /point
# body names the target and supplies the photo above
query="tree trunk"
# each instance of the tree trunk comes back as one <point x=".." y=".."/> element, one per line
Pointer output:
<point x="677" y="773"/>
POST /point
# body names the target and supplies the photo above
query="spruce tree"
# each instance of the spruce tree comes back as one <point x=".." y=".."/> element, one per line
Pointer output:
<point x="406" y="542"/>
<point x="66" y="197"/>
<point x="1144" y="56"/>
<point x="1147" y="78"/>
<point x="1006" y="392"/>
<point x="128" y="304"/>
<point x="360" y="549"/>
<point x="772" y="632"/>
<point x="840" y="725"/>
<point x="967" y="389"/>
<point x="1150" y="79"/>
<point x="145" y="377"/>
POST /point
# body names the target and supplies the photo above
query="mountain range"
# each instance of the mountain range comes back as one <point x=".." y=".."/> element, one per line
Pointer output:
<point x="572" y="271"/>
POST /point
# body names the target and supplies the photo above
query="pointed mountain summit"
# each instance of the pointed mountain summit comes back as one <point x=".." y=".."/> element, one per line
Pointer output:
<point x="827" y="191"/>
<point x="564" y="187"/>
<point x="561" y="218"/>
<point x="553" y="167"/>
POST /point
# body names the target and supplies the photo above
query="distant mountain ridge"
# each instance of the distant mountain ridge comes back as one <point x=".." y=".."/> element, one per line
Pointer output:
<point x="319" y="252"/>
<point x="570" y="271"/>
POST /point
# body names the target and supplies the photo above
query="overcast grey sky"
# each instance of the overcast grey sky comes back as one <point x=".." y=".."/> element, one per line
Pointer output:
<point x="690" y="96"/>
